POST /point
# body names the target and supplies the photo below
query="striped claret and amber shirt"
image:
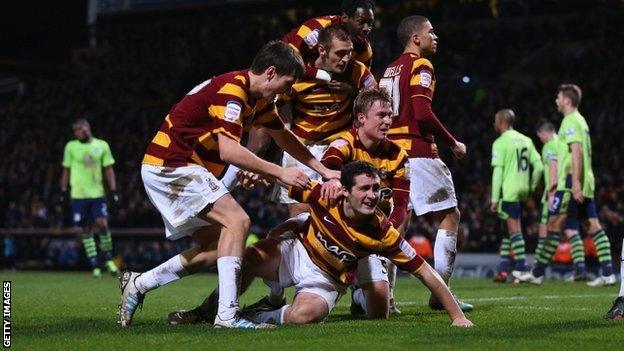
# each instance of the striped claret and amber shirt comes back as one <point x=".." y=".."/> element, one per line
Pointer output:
<point x="320" y="114"/>
<point x="389" y="159"/>
<point x="221" y="105"/>
<point x="410" y="80"/>
<point x="335" y="244"/>
<point x="305" y="39"/>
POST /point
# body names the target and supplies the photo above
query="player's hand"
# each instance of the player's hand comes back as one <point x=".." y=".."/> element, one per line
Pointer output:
<point x="293" y="176"/>
<point x="331" y="174"/>
<point x="249" y="179"/>
<point x="331" y="191"/>
<point x="459" y="149"/>
<point x="462" y="322"/>
<point x="64" y="197"/>
<point x="493" y="207"/>
<point x="342" y="87"/>
<point x="115" y="198"/>
<point x="577" y="192"/>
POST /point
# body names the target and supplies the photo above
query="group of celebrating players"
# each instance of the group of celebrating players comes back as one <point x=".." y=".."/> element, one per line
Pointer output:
<point x="358" y="156"/>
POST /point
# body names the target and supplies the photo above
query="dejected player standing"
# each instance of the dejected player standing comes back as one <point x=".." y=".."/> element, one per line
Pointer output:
<point x="516" y="171"/>
<point x="84" y="159"/>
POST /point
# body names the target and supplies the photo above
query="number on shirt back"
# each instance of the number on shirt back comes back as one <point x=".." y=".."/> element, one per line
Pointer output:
<point x="522" y="159"/>
<point x="391" y="85"/>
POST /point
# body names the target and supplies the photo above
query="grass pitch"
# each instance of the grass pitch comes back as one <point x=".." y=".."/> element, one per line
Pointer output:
<point x="73" y="311"/>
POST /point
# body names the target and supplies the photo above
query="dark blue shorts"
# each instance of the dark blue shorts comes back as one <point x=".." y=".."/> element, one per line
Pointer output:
<point x="584" y="210"/>
<point x="509" y="210"/>
<point x="85" y="211"/>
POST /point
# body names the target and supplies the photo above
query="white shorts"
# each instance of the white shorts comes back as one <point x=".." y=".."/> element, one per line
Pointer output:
<point x="372" y="268"/>
<point x="317" y="150"/>
<point x="431" y="186"/>
<point x="229" y="178"/>
<point x="297" y="269"/>
<point x="180" y="194"/>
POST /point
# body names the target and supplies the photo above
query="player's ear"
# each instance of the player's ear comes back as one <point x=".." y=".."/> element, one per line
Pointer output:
<point x="361" y="117"/>
<point x="322" y="50"/>
<point x="270" y="72"/>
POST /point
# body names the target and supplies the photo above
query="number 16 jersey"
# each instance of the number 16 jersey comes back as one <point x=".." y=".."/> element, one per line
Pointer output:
<point x="515" y="153"/>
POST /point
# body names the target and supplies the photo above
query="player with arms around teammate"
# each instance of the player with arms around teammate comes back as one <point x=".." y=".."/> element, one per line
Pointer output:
<point x="367" y="141"/>
<point x="410" y="80"/>
<point x="513" y="157"/>
<point x="83" y="161"/>
<point x="575" y="188"/>
<point x="319" y="113"/>
<point x="183" y="163"/>
<point x="357" y="18"/>
<point x="317" y="262"/>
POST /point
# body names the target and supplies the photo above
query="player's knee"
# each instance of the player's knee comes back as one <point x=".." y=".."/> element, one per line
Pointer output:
<point x="239" y="223"/>
<point x="307" y="315"/>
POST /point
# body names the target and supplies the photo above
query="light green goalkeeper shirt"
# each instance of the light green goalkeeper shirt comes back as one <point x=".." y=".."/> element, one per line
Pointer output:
<point x="513" y="155"/>
<point x="573" y="129"/>
<point x="85" y="162"/>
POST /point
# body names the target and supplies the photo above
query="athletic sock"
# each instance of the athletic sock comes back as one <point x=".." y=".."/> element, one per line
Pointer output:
<point x="106" y="245"/>
<point x="229" y="268"/>
<point x="550" y="246"/>
<point x="392" y="274"/>
<point x="604" y="252"/>
<point x="358" y="298"/>
<point x="165" y="273"/>
<point x="578" y="254"/>
<point x="622" y="271"/>
<point x="90" y="249"/>
<point x="517" y="247"/>
<point x="272" y="317"/>
<point x="504" y="264"/>
<point x="276" y="294"/>
<point x="444" y="252"/>
<point x="539" y="249"/>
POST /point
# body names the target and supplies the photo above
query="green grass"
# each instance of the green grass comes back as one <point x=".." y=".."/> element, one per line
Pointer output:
<point x="73" y="311"/>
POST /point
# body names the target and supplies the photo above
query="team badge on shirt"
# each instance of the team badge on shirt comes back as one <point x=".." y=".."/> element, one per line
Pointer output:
<point x="232" y="111"/>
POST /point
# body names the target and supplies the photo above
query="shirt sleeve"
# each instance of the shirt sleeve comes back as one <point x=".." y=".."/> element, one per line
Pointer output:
<point x="227" y="110"/>
<point x="67" y="156"/>
<point x="107" y="157"/>
<point x="337" y="155"/>
<point x="305" y="195"/>
<point x="363" y="77"/>
<point x="400" y="252"/>
<point x="498" y="154"/>
<point x="573" y="133"/>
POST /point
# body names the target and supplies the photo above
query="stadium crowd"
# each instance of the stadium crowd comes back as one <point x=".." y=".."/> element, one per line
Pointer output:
<point x="143" y="63"/>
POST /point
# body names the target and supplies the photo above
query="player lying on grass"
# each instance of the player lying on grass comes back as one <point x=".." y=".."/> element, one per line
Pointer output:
<point x="318" y="262"/>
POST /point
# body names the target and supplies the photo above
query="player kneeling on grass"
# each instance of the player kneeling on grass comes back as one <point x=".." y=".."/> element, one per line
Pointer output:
<point x="318" y="261"/>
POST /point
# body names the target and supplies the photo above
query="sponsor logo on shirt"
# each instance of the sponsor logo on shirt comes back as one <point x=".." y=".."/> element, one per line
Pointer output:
<point x="425" y="79"/>
<point x="312" y="38"/>
<point x="232" y="111"/>
<point x="407" y="249"/>
<point x="570" y="131"/>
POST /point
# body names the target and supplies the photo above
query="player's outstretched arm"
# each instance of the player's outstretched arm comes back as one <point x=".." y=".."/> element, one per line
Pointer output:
<point x="289" y="142"/>
<point x="232" y="152"/>
<point x="436" y="285"/>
